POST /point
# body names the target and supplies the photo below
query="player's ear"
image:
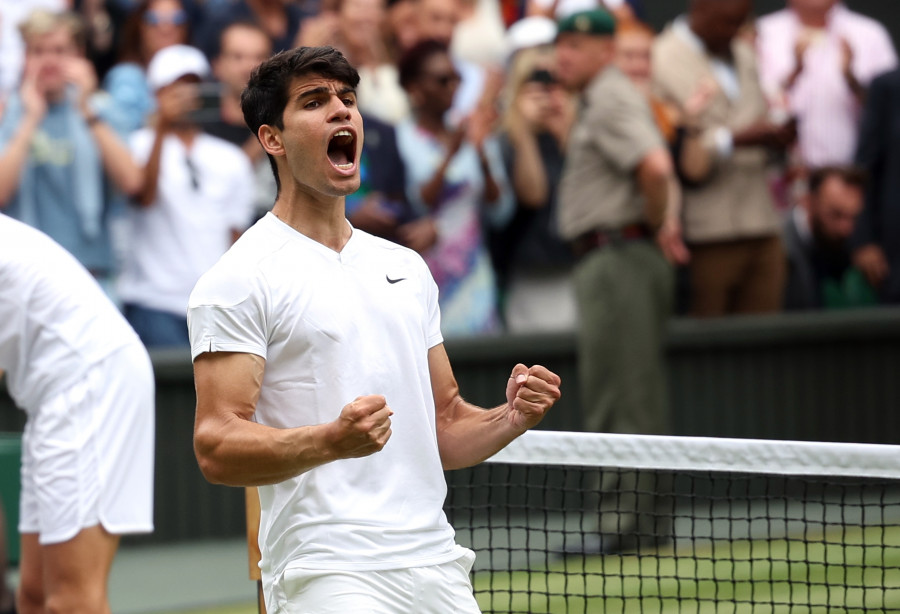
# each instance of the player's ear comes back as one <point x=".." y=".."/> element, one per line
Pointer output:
<point x="270" y="138"/>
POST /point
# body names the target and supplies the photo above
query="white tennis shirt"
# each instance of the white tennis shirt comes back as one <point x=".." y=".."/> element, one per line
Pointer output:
<point x="204" y="194"/>
<point x="334" y="326"/>
<point x="55" y="320"/>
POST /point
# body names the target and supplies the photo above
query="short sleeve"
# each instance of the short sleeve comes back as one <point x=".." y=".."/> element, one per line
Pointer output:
<point x="227" y="313"/>
<point x="623" y="128"/>
<point x="433" y="310"/>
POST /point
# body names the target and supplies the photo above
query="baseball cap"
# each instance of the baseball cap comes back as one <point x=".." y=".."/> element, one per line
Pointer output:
<point x="530" y="32"/>
<point x="597" y="22"/>
<point x="171" y="63"/>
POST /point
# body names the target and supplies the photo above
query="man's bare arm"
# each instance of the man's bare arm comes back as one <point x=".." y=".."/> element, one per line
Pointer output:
<point x="468" y="434"/>
<point x="233" y="450"/>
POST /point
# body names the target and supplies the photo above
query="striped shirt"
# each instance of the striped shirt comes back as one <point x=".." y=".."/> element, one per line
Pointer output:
<point x="826" y="108"/>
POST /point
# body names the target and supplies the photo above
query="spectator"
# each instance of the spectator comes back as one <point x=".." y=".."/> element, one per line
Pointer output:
<point x="358" y="29"/>
<point x="617" y="183"/>
<point x="437" y="21"/>
<point x="59" y="147"/>
<point x="402" y="26"/>
<point x="876" y="239"/>
<point x="455" y="176"/>
<point x="12" y="48"/>
<point x="533" y="264"/>
<point x="281" y="20"/>
<point x="243" y="47"/>
<point x="730" y="222"/>
<point x="196" y="198"/>
<point x="821" y="56"/>
<point x="817" y="233"/>
<point x="153" y="25"/>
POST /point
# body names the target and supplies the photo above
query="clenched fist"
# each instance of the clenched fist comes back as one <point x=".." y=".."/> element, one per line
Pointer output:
<point x="363" y="427"/>
<point x="530" y="392"/>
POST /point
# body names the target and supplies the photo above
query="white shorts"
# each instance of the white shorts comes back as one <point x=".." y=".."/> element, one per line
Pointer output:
<point x="87" y="453"/>
<point x="435" y="589"/>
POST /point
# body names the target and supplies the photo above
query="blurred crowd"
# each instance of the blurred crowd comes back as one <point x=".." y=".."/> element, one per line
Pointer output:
<point x="777" y="175"/>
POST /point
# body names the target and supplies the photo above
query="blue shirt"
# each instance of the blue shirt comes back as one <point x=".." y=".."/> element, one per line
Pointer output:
<point x="52" y="153"/>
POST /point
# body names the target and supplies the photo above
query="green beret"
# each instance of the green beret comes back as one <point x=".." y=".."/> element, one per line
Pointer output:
<point x="595" y="21"/>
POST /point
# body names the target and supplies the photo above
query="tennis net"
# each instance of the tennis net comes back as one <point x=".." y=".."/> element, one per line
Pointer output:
<point x="583" y="522"/>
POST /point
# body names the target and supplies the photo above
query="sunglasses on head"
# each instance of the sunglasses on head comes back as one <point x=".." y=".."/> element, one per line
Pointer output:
<point x="153" y="18"/>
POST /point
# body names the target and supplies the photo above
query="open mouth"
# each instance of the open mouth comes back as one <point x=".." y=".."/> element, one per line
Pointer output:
<point x="342" y="150"/>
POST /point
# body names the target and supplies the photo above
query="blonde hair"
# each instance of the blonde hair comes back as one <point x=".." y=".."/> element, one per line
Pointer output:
<point x="523" y="65"/>
<point x="42" y="21"/>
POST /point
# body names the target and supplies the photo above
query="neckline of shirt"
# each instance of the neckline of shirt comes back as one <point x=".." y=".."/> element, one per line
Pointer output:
<point x="293" y="234"/>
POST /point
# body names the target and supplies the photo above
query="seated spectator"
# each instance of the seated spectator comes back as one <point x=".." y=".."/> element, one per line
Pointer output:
<point x="533" y="264"/>
<point x="730" y="223"/>
<point x="281" y="20"/>
<point x="196" y="199"/>
<point x="58" y="147"/>
<point x="243" y="47"/>
<point x="821" y="56"/>
<point x="154" y="25"/>
<point x="357" y="29"/>
<point x="817" y="233"/>
<point x="455" y="176"/>
<point x="876" y="239"/>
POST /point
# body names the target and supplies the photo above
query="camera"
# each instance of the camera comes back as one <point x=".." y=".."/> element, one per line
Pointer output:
<point x="209" y="102"/>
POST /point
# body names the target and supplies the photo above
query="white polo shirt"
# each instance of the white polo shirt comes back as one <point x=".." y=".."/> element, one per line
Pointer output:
<point x="55" y="320"/>
<point x="332" y="327"/>
<point x="203" y="195"/>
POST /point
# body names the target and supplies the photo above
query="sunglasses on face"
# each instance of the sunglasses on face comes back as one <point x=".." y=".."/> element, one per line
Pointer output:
<point x="153" y="18"/>
<point x="445" y="80"/>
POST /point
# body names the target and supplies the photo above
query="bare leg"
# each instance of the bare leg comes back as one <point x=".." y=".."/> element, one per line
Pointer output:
<point x="30" y="597"/>
<point x="73" y="575"/>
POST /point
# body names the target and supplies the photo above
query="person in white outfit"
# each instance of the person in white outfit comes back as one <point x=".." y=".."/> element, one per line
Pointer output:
<point x="81" y="375"/>
<point x="197" y="197"/>
<point x="322" y="378"/>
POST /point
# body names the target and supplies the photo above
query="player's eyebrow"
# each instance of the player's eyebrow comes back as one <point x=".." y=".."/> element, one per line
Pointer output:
<point x="318" y="91"/>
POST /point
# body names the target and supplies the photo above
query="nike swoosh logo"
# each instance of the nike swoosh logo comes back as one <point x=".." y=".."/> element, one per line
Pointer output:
<point x="393" y="281"/>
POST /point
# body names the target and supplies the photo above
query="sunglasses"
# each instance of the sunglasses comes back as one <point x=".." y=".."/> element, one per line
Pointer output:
<point x="446" y="79"/>
<point x="153" y="18"/>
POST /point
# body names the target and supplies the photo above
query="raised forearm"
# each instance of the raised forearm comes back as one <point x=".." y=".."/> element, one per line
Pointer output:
<point x="491" y="189"/>
<point x="117" y="160"/>
<point x="431" y="190"/>
<point x="473" y="434"/>
<point x="13" y="159"/>
<point x="529" y="178"/>
<point x="149" y="185"/>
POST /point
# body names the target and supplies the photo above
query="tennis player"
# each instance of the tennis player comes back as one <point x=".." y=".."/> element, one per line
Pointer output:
<point x="81" y="375"/>
<point x="322" y="378"/>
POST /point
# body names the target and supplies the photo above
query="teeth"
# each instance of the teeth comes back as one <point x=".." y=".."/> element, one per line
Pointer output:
<point x="345" y="167"/>
<point x="342" y="133"/>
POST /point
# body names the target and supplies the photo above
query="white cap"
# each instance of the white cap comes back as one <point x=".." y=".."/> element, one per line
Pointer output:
<point x="529" y="32"/>
<point x="171" y="63"/>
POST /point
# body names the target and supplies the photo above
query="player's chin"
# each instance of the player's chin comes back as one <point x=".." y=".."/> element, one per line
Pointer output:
<point x="345" y="186"/>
